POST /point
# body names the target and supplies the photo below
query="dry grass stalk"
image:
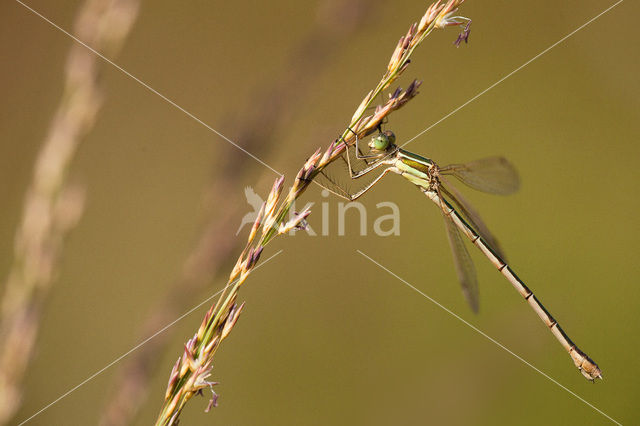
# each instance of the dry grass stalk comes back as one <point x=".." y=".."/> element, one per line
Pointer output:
<point x="190" y="374"/>
<point x="53" y="206"/>
<point x="272" y="110"/>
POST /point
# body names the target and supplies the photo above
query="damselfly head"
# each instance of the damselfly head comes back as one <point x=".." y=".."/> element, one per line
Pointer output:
<point x="382" y="141"/>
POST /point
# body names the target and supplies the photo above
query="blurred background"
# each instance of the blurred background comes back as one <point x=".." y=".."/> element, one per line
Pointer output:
<point x="326" y="337"/>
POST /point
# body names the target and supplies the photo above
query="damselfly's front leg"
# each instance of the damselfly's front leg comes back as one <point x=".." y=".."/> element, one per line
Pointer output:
<point x="356" y="174"/>
<point x="368" y="187"/>
<point x="359" y="154"/>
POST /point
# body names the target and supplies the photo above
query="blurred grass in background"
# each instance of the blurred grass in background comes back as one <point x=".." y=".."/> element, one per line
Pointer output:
<point x="326" y="337"/>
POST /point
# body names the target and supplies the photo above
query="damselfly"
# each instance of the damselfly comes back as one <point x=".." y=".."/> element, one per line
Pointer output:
<point x="493" y="175"/>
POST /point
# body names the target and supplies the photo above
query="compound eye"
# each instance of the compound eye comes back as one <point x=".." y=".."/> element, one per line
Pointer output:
<point x="391" y="137"/>
<point x="380" y="142"/>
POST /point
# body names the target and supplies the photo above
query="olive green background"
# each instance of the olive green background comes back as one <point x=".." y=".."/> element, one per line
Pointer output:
<point x="326" y="336"/>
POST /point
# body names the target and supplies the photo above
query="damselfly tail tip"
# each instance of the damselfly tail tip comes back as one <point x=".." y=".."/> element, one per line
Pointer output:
<point x="591" y="372"/>
<point x="586" y="365"/>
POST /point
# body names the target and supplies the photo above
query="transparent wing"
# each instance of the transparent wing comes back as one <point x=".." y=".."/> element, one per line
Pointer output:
<point x="471" y="215"/>
<point x="337" y="179"/>
<point x="494" y="175"/>
<point x="464" y="265"/>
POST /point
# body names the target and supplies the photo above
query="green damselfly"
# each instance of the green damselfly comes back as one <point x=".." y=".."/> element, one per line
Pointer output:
<point x="493" y="175"/>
